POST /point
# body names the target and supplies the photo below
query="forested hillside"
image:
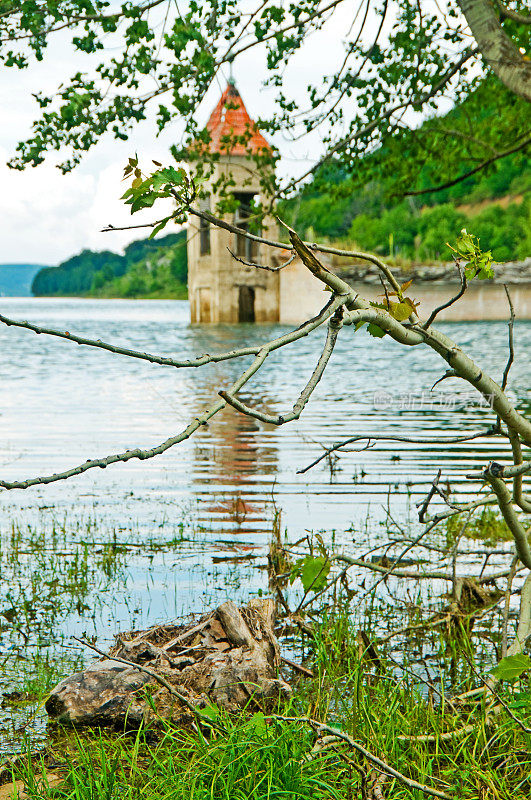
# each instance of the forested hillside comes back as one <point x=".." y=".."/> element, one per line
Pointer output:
<point x="495" y="207"/>
<point x="148" y="268"/>
<point x="367" y="207"/>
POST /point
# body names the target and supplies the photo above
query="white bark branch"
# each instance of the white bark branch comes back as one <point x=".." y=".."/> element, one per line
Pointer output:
<point x="123" y="457"/>
<point x="496" y="46"/>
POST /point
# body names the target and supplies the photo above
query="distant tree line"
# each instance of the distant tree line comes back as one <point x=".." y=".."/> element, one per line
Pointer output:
<point x="92" y="272"/>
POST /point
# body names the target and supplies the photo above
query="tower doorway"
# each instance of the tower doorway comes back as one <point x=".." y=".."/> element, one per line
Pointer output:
<point x="246" y="304"/>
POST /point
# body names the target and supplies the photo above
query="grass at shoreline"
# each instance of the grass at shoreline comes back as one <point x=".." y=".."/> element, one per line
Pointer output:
<point x="260" y="757"/>
<point x="383" y="697"/>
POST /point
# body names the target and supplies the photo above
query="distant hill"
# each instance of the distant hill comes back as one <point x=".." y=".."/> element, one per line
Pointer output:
<point x="16" y="279"/>
<point x="148" y="268"/>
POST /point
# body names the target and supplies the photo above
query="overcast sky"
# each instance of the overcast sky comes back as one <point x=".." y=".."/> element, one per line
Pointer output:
<point x="46" y="217"/>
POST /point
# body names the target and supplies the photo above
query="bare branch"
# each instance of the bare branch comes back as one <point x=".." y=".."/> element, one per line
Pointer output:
<point x="499" y="471"/>
<point x="424" y="506"/>
<point x="124" y="351"/>
<point x="279" y="419"/>
<point x="519" y="498"/>
<point x="507" y="605"/>
<point x="449" y="303"/>
<point x="513" y="523"/>
<point x="467" y="369"/>
<point x="523" y="632"/>
<point x="195" y="424"/>
<point x="511" y="340"/>
<point x="372" y="437"/>
<point x="166" y="360"/>
<point x="450" y="373"/>
<point x="319" y="726"/>
<point x="290" y="260"/>
<point x="317" y="269"/>
<point x="487" y="500"/>
<point x="363" y="312"/>
<point x="411" y="574"/>
<point x="497" y="157"/>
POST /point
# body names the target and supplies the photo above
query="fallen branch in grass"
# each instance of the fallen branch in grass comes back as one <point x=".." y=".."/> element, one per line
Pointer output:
<point x="378" y="762"/>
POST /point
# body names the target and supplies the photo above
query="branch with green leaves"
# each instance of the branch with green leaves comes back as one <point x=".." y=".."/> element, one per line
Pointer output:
<point x="154" y="63"/>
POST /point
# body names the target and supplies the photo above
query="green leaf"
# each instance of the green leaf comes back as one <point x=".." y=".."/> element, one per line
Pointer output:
<point x="400" y="311"/>
<point x="257" y="724"/>
<point x="313" y="572"/>
<point x="144" y="201"/>
<point x="162" y="224"/>
<point x="512" y="667"/>
<point x="168" y="175"/>
<point x="211" y="711"/>
<point x="375" y="330"/>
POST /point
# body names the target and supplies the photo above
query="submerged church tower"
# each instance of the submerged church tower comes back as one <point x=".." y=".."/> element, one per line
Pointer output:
<point x="220" y="288"/>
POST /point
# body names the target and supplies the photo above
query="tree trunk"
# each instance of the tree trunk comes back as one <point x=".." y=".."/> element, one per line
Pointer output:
<point x="496" y="47"/>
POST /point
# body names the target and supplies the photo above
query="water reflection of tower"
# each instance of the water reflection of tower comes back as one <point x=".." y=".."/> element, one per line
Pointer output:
<point x="235" y="462"/>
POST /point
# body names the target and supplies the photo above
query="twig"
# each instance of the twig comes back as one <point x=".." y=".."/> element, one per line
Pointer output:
<point x="391" y="569"/>
<point x="507" y="605"/>
<point x="125" y="351"/>
<point x="263" y="266"/>
<point x="518" y="496"/>
<point x="426" y="503"/>
<point x="450" y="302"/>
<point x="511" y="339"/>
<point x="413" y="575"/>
<point x="450" y="373"/>
<point x="499" y="471"/>
<point x="440" y="187"/>
<point x="297" y="667"/>
<point x="438" y="737"/>
<point x="280" y="419"/>
<point x="454" y="554"/>
<point x="513" y="523"/>
<point x="200" y="361"/>
<point x="383" y="438"/>
<point x="378" y="762"/>
<point x="502" y="703"/>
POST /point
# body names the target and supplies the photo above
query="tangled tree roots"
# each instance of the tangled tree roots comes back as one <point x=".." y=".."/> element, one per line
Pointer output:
<point x="228" y="657"/>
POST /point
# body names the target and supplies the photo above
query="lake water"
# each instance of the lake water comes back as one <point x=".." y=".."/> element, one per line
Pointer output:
<point x="148" y="540"/>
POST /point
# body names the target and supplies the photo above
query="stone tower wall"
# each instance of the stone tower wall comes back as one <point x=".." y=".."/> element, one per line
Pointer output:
<point x="215" y="279"/>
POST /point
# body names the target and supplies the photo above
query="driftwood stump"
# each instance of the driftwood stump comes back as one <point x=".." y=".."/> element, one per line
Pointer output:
<point x="228" y="657"/>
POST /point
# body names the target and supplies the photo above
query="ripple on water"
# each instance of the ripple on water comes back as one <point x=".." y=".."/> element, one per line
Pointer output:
<point x="169" y="519"/>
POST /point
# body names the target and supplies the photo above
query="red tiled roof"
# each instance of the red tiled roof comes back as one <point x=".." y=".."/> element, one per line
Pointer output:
<point x="229" y="119"/>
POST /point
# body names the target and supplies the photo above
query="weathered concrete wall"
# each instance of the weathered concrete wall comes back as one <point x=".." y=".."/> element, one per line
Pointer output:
<point x="302" y="295"/>
<point x="293" y="294"/>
